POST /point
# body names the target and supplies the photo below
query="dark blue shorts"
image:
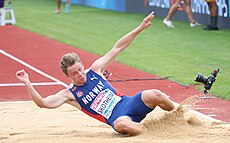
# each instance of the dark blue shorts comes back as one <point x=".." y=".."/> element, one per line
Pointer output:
<point x="131" y="106"/>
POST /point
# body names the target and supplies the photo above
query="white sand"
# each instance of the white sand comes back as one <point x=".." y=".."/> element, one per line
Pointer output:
<point x="24" y="122"/>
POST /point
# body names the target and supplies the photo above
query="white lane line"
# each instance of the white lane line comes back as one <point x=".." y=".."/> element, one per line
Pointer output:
<point x="212" y="115"/>
<point x="35" y="84"/>
<point x="33" y="68"/>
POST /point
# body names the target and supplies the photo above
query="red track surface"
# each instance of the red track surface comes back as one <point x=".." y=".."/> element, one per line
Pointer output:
<point x="44" y="54"/>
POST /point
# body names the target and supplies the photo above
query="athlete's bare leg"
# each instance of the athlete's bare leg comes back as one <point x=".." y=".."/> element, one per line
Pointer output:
<point x="125" y="125"/>
<point x="153" y="98"/>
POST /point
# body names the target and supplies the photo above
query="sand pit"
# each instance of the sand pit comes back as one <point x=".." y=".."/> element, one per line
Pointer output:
<point x="23" y="122"/>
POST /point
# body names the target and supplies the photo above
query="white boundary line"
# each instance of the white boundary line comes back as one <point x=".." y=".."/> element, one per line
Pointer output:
<point x="22" y="84"/>
<point x="33" y="68"/>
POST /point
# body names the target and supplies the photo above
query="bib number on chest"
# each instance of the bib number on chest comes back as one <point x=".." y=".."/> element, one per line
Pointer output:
<point x="105" y="102"/>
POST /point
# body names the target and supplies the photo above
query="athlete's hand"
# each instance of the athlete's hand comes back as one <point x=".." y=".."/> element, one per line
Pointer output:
<point x="147" y="21"/>
<point x="22" y="76"/>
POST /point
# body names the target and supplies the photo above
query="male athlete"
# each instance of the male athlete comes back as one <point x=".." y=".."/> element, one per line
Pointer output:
<point x="67" y="7"/>
<point x="92" y="94"/>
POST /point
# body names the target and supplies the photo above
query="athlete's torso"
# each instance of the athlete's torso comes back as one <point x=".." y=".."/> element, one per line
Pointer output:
<point x="97" y="97"/>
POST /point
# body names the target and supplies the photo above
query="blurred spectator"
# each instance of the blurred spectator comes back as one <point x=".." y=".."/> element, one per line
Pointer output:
<point x="213" y="9"/>
<point x="2" y="3"/>
<point x="186" y="5"/>
<point x="67" y="7"/>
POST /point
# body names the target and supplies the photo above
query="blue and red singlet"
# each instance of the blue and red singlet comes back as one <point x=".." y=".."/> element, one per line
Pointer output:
<point x="101" y="101"/>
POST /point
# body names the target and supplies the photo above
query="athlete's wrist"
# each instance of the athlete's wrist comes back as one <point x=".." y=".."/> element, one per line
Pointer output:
<point x="28" y="84"/>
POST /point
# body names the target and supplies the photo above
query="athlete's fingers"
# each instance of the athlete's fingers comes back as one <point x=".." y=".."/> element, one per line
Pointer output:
<point x="147" y="20"/>
<point x="20" y="73"/>
<point x="150" y="16"/>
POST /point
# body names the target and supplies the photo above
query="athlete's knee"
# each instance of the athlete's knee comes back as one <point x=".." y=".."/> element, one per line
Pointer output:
<point x="158" y="95"/>
<point x="153" y="97"/>
<point x="121" y="125"/>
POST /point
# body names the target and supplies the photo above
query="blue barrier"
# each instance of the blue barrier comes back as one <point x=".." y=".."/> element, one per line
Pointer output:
<point x="116" y="5"/>
<point x="161" y="7"/>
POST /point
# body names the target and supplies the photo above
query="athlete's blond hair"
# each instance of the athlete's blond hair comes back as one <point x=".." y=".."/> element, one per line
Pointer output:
<point x="68" y="60"/>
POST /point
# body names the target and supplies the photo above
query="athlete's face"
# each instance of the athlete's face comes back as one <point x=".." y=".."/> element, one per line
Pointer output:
<point x="77" y="74"/>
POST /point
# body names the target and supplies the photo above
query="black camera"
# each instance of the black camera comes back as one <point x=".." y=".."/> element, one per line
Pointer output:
<point x="207" y="81"/>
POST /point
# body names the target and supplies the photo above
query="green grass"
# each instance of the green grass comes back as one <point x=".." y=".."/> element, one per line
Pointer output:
<point x="181" y="52"/>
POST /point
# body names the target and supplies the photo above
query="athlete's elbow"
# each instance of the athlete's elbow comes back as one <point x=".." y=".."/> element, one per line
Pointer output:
<point x="41" y="106"/>
<point x="49" y="106"/>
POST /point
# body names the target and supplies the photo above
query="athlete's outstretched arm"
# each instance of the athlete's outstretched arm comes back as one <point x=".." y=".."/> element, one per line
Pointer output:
<point x="52" y="101"/>
<point x="99" y="65"/>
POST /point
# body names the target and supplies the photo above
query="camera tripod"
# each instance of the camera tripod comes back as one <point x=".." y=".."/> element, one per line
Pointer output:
<point x="206" y="96"/>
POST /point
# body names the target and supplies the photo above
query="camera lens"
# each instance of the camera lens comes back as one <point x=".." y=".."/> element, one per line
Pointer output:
<point x="201" y="78"/>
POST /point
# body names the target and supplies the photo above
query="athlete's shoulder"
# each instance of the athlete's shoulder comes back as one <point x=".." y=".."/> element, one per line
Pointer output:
<point x="98" y="73"/>
<point x="66" y="93"/>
